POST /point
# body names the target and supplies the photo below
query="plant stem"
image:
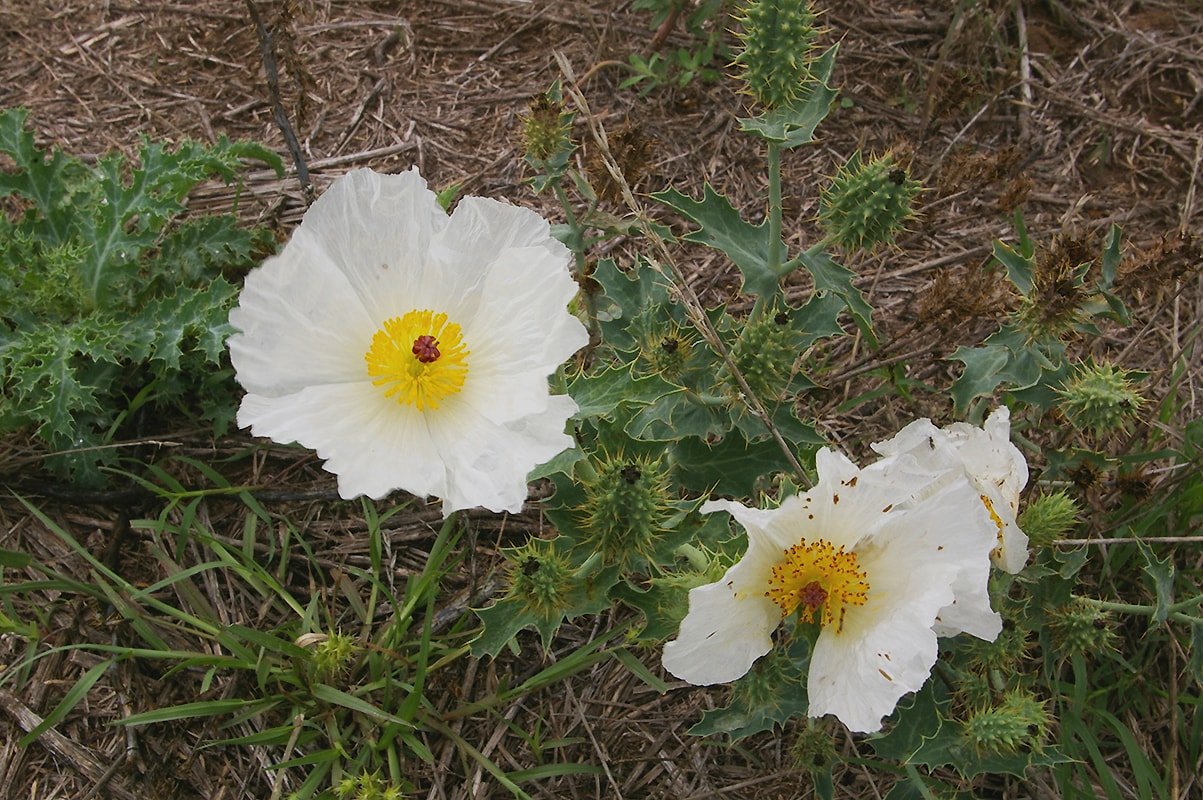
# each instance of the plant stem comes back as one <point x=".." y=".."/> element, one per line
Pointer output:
<point x="577" y="246"/>
<point x="1147" y="610"/>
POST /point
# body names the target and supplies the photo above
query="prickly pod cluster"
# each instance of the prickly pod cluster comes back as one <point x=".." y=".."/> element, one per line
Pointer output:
<point x="867" y="202"/>
<point x="777" y="37"/>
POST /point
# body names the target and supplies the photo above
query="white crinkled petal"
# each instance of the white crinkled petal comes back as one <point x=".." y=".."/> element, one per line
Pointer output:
<point x="369" y="441"/>
<point x="299" y="322"/>
<point x="730" y="622"/>
<point x="922" y="560"/>
<point x="487" y="463"/>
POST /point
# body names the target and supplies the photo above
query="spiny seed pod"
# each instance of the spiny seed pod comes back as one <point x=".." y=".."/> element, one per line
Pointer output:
<point x="778" y="39"/>
<point x="1019" y="722"/>
<point x="813" y="750"/>
<point x="1053" y="306"/>
<point x="1048" y="518"/>
<point x="631" y="148"/>
<point x="1100" y="399"/>
<point x="1080" y="628"/>
<point x="625" y="507"/>
<point x="867" y="202"/>
<point x="540" y="578"/>
<point x="765" y="355"/>
<point x="761" y="687"/>
<point x="973" y="689"/>
<point x="545" y="129"/>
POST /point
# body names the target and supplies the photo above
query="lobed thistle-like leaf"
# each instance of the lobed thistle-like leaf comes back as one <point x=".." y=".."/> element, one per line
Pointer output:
<point x="1049" y="517"/>
<point x="1079" y="628"/>
<point x="625" y="508"/>
<point x="778" y="37"/>
<point x="867" y="202"/>
<point x="1100" y="398"/>
<point x="1019" y="722"/>
<point x="765" y="353"/>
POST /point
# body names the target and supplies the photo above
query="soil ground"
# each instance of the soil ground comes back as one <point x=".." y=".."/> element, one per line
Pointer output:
<point x="1086" y="112"/>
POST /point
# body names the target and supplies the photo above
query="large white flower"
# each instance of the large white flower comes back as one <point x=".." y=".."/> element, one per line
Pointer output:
<point x="872" y="557"/>
<point x="986" y="456"/>
<point x="409" y="348"/>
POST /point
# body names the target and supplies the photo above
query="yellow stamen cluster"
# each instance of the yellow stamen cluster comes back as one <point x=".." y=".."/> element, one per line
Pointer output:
<point x="419" y="358"/>
<point x="814" y="575"/>
<point x="997" y="522"/>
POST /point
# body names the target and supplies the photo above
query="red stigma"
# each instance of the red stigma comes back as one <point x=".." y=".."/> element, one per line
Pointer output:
<point x="426" y="348"/>
<point x="812" y="595"/>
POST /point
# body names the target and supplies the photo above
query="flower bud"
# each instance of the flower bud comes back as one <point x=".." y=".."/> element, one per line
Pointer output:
<point x="867" y="202"/>
<point x="541" y="579"/>
<point x="1048" y="518"/>
<point x="765" y="355"/>
<point x="778" y="37"/>
<point x="332" y="652"/>
<point x="1080" y="628"/>
<point x="666" y="351"/>
<point x="814" y="749"/>
<point x="545" y="129"/>
<point x="1100" y="399"/>
<point x="625" y="507"/>
<point x="1019" y="722"/>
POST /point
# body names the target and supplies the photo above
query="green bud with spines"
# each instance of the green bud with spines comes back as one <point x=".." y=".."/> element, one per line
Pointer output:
<point x="765" y="353"/>
<point x="1049" y="517"/>
<point x="867" y="202"/>
<point x="778" y="39"/>
<point x="541" y="579"/>
<point x="1008" y="650"/>
<point x="1080" y="627"/>
<point x="625" y="508"/>
<point x="546" y="128"/>
<point x="1100" y="398"/>
<point x="1018" y="723"/>
<point x="813" y="750"/>
<point x="666" y="351"/>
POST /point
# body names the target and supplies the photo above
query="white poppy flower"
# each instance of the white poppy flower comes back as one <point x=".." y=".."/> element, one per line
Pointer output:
<point x="409" y="348"/>
<point x="986" y="456"/>
<point x="872" y="559"/>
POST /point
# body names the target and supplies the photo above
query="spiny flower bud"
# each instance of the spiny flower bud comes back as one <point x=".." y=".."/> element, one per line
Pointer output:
<point x="1019" y="722"/>
<point x="867" y="202"/>
<point x="666" y="351"/>
<point x="541" y="579"/>
<point x="1100" y="398"/>
<point x="778" y="37"/>
<point x="545" y="129"/>
<point x="761" y="687"/>
<point x="1048" y="518"/>
<point x="813" y="750"/>
<point x="625" y="507"/>
<point x="765" y="355"/>
<point x="1007" y="651"/>
<point x="1079" y="628"/>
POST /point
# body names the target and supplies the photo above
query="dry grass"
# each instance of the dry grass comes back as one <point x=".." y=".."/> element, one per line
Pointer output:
<point x="1089" y="112"/>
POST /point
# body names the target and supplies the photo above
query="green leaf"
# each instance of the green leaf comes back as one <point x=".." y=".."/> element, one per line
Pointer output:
<point x="1161" y="572"/>
<point x="70" y="700"/>
<point x="722" y="228"/>
<point x="15" y="559"/>
<point x="628" y="299"/>
<point x="1111" y="257"/>
<point x="599" y="394"/>
<point x="204" y="708"/>
<point x="679" y="414"/>
<point x="1019" y="268"/>
<point x="795" y="125"/>
<point x="729" y="467"/>
<point x="831" y="277"/>
<point x="1196" y="651"/>
<point x="328" y="694"/>
<point x="983" y="372"/>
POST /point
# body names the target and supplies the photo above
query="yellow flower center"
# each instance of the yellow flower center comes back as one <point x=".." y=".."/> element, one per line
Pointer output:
<point x="814" y="575"/>
<point x="419" y="358"/>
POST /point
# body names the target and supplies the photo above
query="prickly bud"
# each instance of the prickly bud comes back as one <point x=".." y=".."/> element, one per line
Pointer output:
<point x="1100" y="398"/>
<point x="541" y="578"/>
<point x="867" y="202"/>
<point x="666" y="351"/>
<point x="813" y="750"/>
<point x="765" y="354"/>
<point x="1007" y="651"/>
<point x="1080" y="628"/>
<point x="545" y="129"/>
<point x="1019" y="722"/>
<point x="625" y="507"/>
<point x="778" y="37"/>
<point x="1048" y="518"/>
